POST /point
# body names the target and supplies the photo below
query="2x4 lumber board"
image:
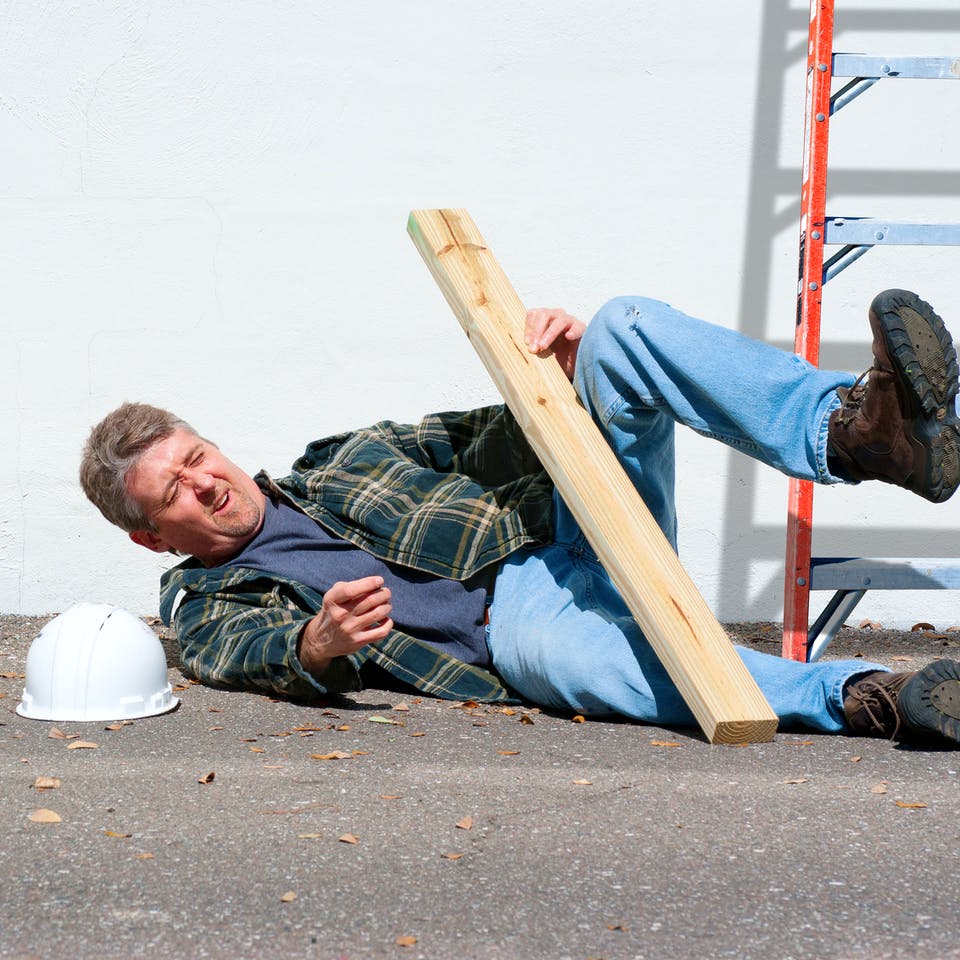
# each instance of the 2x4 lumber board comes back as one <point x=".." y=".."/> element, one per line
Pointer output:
<point x="691" y="644"/>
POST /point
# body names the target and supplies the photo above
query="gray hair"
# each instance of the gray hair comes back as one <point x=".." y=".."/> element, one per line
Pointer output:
<point x="114" y="446"/>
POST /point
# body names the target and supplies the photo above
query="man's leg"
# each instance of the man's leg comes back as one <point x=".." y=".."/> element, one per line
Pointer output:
<point x="561" y="635"/>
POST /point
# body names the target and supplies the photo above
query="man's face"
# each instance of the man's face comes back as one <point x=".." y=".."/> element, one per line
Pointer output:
<point x="198" y="501"/>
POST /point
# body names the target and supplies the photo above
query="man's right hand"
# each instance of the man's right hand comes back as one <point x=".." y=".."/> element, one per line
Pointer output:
<point x="354" y="613"/>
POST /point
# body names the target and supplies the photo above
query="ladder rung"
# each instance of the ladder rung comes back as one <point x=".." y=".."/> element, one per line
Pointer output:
<point x="885" y="573"/>
<point x="869" y="231"/>
<point x="916" y="68"/>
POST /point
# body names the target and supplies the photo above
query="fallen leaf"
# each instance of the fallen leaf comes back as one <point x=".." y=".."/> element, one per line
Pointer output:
<point x="348" y="838"/>
<point x="465" y="824"/>
<point x="508" y="711"/>
<point x="798" y="743"/>
<point x="288" y="897"/>
<point x="180" y="687"/>
<point x="214" y="728"/>
<point x="480" y="723"/>
<point x="418" y="734"/>
<point x="402" y="707"/>
<point x="214" y="710"/>
<point x="308" y="729"/>
<point x="13" y="676"/>
<point x="855" y="759"/>
<point x="879" y="788"/>
<point x="922" y="625"/>
<point x="83" y="745"/>
<point x="143" y="856"/>
<point x="405" y="941"/>
<point x="526" y="718"/>
<point x="579" y="719"/>
<point x="247" y="739"/>
<point x="910" y="806"/>
<point x="208" y="778"/>
<point x="798" y="780"/>
<point x="121" y="836"/>
<point x="45" y="816"/>
<point x="664" y="743"/>
<point x="870" y="625"/>
<point x="360" y="753"/>
<point x="583" y="783"/>
<point x="377" y="719"/>
<point x="451" y="856"/>
<point x="389" y="796"/>
<point x="46" y="783"/>
<point x="618" y="926"/>
<point x="469" y="705"/>
<point x="508" y="753"/>
<point x="309" y="836"/>
<point x="903" y="659"/>
<point x="57" y="734"/>
<point x="114" y="726"/>
<point x="343" y="727"/>
<point x="336" y="755"/>
<point x="257" y="750"/>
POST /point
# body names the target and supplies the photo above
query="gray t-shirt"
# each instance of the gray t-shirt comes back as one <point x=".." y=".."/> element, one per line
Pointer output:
<point x="448" y="614"/>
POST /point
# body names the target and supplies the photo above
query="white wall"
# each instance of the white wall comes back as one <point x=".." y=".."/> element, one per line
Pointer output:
<point x="204" y="207"/>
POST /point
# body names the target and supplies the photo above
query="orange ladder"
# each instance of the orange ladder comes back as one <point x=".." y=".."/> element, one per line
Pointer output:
<point x="848" y="577"/>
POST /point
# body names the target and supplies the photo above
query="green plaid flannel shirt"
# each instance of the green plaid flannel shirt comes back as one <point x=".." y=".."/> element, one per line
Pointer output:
<point x="451" y="495"/>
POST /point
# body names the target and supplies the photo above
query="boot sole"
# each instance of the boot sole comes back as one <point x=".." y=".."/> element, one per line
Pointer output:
<point x="921" y="348"/>
<point x="930" y="702"/>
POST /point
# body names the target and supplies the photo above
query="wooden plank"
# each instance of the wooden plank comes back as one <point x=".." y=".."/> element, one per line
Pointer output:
<point x="693" y="647"/>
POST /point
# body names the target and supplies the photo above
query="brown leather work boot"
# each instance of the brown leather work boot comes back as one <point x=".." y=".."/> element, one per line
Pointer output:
<point x="921" y="706"/>
<point x="899" y="424"/>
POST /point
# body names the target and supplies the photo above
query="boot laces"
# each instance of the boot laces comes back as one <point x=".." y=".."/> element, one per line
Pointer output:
<point x="852" y="398"/>
<point x="878" y="700"/>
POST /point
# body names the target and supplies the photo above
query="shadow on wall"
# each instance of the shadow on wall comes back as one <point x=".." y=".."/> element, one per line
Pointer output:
<point x="769" y="181"/>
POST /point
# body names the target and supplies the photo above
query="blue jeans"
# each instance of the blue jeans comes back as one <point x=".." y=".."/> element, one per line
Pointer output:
<point x="560" y="633"/>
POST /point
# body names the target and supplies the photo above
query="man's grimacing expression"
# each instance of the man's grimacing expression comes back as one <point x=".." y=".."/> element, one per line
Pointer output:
<point x="199" y="502"/>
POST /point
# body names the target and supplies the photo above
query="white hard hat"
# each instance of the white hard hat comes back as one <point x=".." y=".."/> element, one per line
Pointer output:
<point x="96" y="662"/>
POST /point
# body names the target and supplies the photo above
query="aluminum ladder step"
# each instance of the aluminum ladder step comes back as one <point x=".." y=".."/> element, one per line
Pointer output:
<point x="898" y="68"/>
<point x="852" y="577"/>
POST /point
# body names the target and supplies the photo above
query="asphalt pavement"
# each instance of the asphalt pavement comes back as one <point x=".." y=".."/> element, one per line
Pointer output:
<point x="393" y="826"/>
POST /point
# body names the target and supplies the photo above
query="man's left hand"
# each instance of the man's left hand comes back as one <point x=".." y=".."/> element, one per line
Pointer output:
<point x="550" y="328"/>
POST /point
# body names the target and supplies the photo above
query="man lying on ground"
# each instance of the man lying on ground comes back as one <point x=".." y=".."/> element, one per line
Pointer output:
<point x="439" y="556"/>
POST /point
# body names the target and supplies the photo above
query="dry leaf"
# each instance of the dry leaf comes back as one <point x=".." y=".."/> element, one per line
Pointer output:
<point x="376" y="719"/>
<point x="389" y="796"/>
<point x="121" y="836"/>
<point x="418" y="734"/>
<point x="348" y="838"/>
<point x="144" y="856"/>
<point x="83" y="745"/>
<point x="870" y="625"/>
<point x="288" y="897"/>
<point x="579" y="719"/>
<point x="113" y="726"/>
<point x="465" y="824"/>
<point x="469" y="705"/>
<point x="257" y="750"/>
<point x="308" y="729"/>
<point x="336" y="755"/>
<point x="798" y="743"/>
<point x="451" y="856"/>
<point x="798" y="780"/>
<point x="46" y="783"/>
<point x="903" y="659"/>
<point x="57" y="734"/>
<point x="620" y="926"/>
<point x="247" y="739"/>
<point x="45" y="816"/>
<point x="402" y="707"/>
<point x="922" y="625"/>
<point x="855" y="759"/>
<point x="360" y="753"/>
<point x="309" y="836"/>
<point x="343" y="728"/>
<point x="879" y="788"/>
<point x="526" y="718"/>
<point x="405" y="941"/>
<point x="664" y="743"/>
<point x="910" y="806"/>
<point x="508" y="711"/>
<point x="208" y="778"/>
<point x="508" y="753"/>
<point x="583" y="783"/>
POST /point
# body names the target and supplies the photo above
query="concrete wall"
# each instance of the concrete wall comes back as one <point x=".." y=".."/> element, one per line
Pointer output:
<point x="204" y="207"/>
